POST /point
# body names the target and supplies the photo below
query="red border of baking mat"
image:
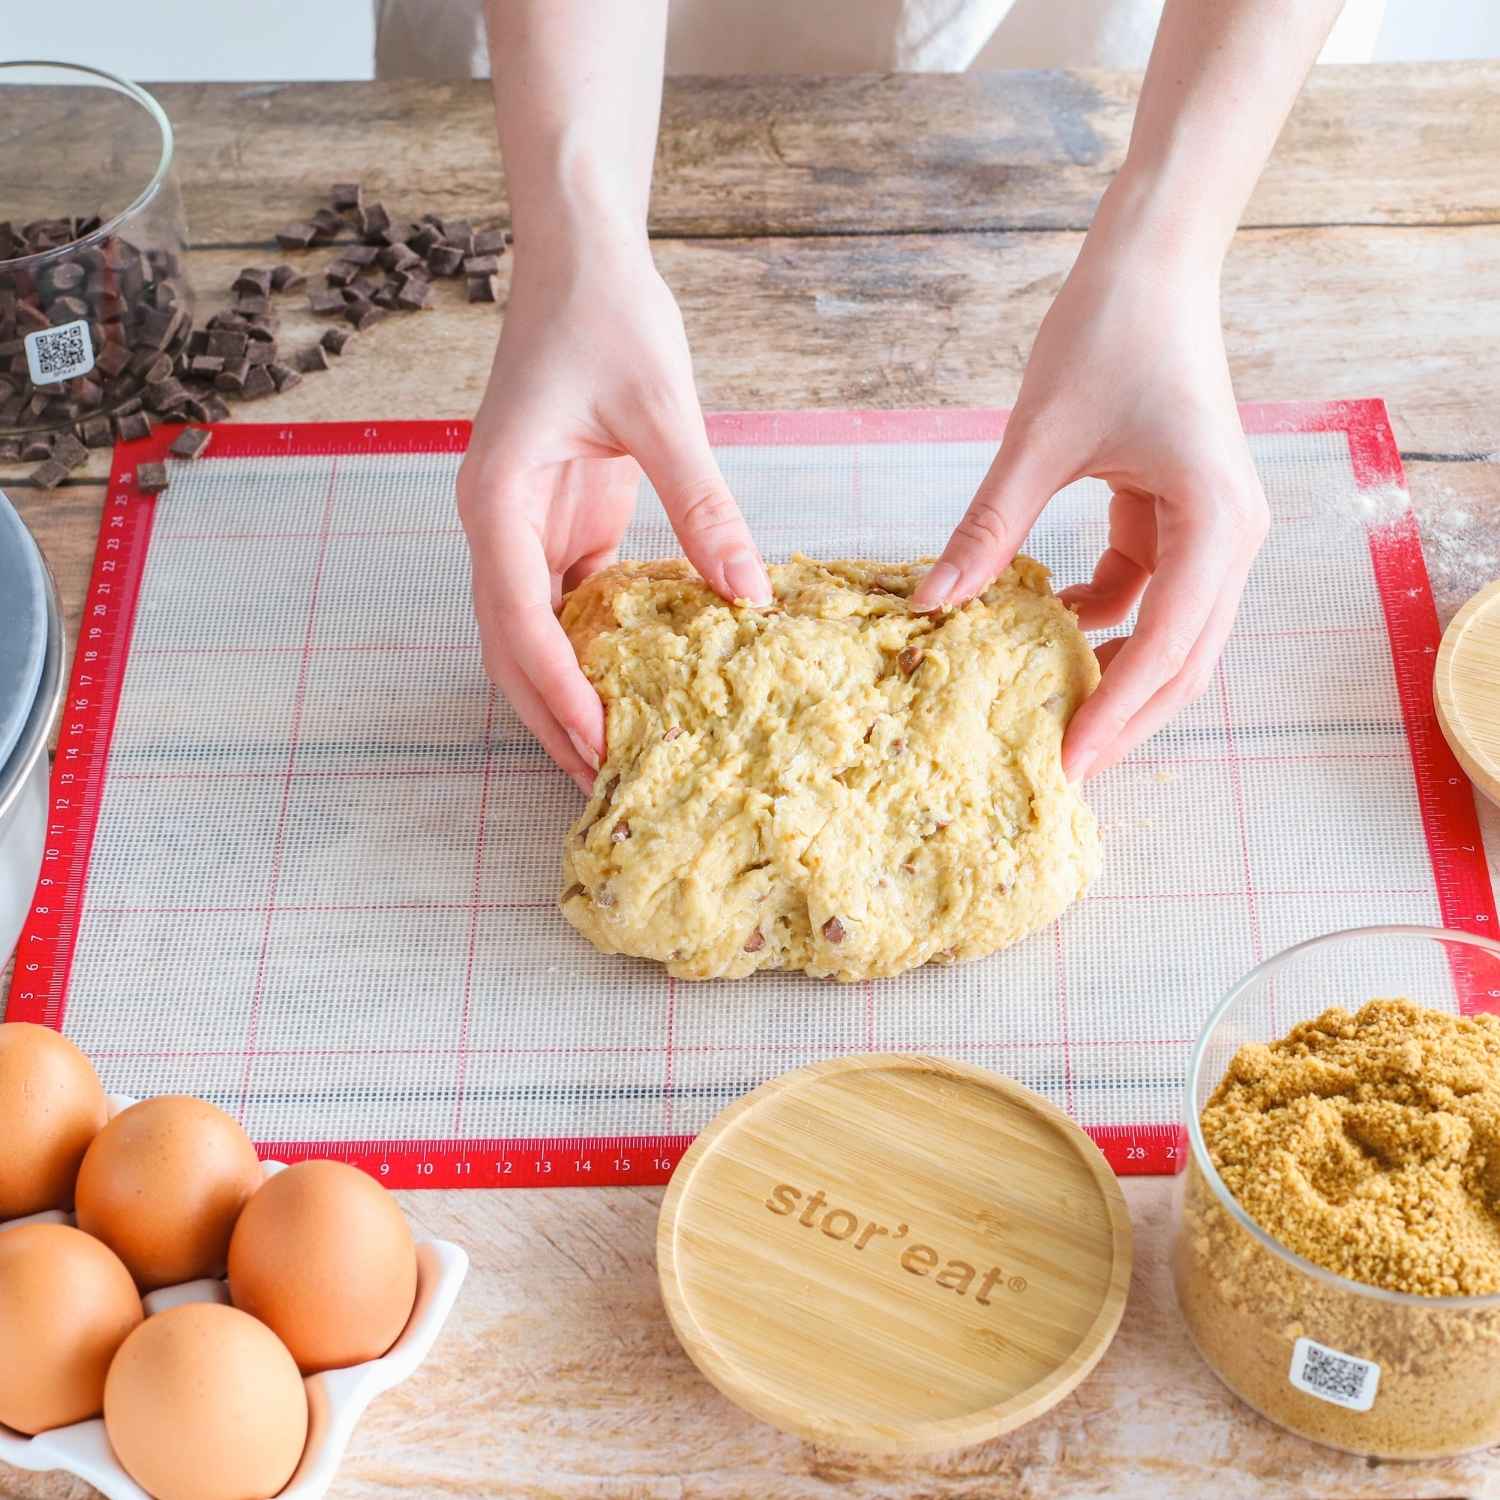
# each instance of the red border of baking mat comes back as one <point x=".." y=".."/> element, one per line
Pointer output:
<point x="39" y="987"/>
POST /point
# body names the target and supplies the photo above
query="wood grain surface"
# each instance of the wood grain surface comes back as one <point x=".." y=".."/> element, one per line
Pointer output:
<point x="955" y="205"/>
<point x="863" y="154"/>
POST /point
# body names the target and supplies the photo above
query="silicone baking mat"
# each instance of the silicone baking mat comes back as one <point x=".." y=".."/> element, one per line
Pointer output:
<point x="304" y="863"/>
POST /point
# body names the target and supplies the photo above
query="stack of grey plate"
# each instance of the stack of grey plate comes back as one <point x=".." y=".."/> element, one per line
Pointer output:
<point x="31" y="688"/>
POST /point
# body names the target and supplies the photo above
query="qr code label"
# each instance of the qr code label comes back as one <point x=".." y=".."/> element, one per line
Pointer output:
<point x="60" y="353"/>
<point x="1343" y="1379"/>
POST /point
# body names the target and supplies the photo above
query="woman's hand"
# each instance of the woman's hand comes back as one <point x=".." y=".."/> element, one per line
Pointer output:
<point x="592" y="383"/>
<point x="1127" y="381"/>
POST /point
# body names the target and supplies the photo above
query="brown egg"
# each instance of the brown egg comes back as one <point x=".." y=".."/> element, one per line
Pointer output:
<point x="51" y="1107"/>
<point x="323" y="1255"/>
<point x="66" y="1305"/>
<point x="204" y="1403"/>
<point x="162" y="1186"/>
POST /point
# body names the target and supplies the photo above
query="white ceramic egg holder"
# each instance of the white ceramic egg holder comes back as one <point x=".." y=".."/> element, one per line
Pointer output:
<point x="336" y="1399"/>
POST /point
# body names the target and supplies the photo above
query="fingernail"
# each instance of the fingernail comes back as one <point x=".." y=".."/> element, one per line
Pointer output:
<point x="1077" y="768"/>
<point x="747" y="579"/>
<point x="589" y="755"/>
<point x="936" y="587"/>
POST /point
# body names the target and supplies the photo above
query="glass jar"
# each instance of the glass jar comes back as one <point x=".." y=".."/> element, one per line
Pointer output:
<point x="1375" y="1372"/>
<point x="93" y="282"/>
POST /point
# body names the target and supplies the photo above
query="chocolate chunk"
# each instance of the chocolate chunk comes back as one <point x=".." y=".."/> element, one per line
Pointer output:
<point x="287" y="279"/>
<point x="215" y="408"/>
<point x="261" y="352"/>
<point x="132" y="427"/>
<point x="399" y="257"/>
<point x="336" y="340"/>
<point x="10" y="450"/>
<point x="833" y="930"/>
<point x="191" y="410"/>
<point x="445" y="260"/>
<point x="197" y="342"/>
<point x="314" y="356"/>
<point x="66" y="309"/>
<point x="150" y="366"/>
<point x="163" y="395"/>
<point x="112" y="359"/>
<point x="481" y="265"/>
<point x="227" y="344"/>
<point x="361" y="255"/>
<point x="68" y="451"/>
<point x="232" y="376"/>
<point x="396" y="233"/>
<point x="489" y="242"/>
<point x="326" y="224"/>
<point x="253" y="281"/>
<point x="206" y="366"/>
<point x="385" y="297"/>
<point x="68" y="277"/>
<point x="460" y="233"/>
<point x="284" y="376"/>
<point x="97" y="432"/>
<point x="425" y="240"/>
<point x="252" y="307"/>
<point x="258" y="383"/>
<point x="325" y="302"/>
<point x="34" y="449"/>
<point x="87" y="393"/>
<point x="483" y="289"/>
<point x="347" y="196"/>
<point x="359" y="295"/>
<point x="48" y="475"/>
<point x="190" y="442"/>
<point x="155" y="327"/>
<point x="909" y="659"/>
<point x="261" y="330"/>
<point x="152" y="478"/>
<point x="340" y="272"/>
<point x="363" y="317"/>
<point x="372" y="221"/>
<point x="414" y="294"/>
<point x="297" y="236"/>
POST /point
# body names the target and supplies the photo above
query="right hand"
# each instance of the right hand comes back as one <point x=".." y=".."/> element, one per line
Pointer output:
<point x="592" y="383"/>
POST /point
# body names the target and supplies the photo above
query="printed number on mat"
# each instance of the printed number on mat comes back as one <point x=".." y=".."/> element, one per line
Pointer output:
<point x="60" y="353"/>
<point x="1343" y="1379"/>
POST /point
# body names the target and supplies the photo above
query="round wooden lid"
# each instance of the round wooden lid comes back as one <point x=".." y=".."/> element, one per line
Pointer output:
<point x="894" y="1254"/>
<point x="1466" y="689"/>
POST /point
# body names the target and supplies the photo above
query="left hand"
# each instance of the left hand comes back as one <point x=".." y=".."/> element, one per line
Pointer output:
<point x="1128" y="383"/>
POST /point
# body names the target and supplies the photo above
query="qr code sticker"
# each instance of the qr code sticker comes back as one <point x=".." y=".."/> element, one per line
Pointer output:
<point x="1344" y="1379"/>
<point x="60" y="353"/>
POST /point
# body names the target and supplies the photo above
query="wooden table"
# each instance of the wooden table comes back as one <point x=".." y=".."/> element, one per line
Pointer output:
<point x="868" y="241"/>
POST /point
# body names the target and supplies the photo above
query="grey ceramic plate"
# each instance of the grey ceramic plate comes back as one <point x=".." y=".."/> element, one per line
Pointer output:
<point x="23" y="625"/>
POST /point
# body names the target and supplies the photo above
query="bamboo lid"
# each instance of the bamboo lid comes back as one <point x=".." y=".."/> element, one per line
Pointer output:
<point x="894" y="1254"/>
<point x="1466" y="689"/>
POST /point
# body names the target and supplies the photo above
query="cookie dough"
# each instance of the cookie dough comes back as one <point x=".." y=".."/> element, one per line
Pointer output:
<point x="833" y="784"/>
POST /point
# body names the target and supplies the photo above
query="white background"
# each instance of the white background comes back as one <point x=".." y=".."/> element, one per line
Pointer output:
<point x="276" y="39"/>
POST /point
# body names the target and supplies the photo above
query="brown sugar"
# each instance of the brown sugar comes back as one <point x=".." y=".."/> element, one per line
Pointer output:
<point x="1368" y="1144"/>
